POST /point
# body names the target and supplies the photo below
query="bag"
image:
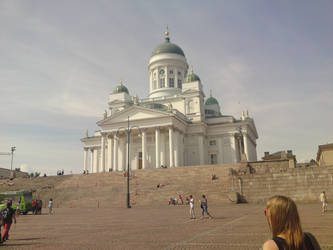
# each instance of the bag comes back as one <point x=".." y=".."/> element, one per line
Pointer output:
<point x="5" y="214"/>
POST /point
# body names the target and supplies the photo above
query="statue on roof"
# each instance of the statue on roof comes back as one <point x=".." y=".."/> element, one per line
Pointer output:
<point x="87" y="135"/>
<point x="105" y="114"/>
<point x="135" y="99"/>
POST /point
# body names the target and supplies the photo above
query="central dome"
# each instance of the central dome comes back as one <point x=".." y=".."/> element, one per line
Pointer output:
<point x="168" y="47"/>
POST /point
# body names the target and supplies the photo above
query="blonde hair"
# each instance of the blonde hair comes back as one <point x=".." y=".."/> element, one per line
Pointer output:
<point x="284" y="219"/>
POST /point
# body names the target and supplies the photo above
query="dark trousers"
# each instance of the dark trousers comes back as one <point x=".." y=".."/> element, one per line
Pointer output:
<point x="6" y="229"/>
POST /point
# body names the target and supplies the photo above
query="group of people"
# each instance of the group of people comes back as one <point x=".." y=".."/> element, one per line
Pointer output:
<point x="176" y="201"/>
<point x="203" y="206"/>
<point x="37" y="206"/>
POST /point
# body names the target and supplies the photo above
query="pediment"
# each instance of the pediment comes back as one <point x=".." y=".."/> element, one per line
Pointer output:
<point x="135" y="113"/>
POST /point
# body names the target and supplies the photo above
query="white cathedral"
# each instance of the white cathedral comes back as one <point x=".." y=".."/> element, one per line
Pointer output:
<point x="175" y="126"/>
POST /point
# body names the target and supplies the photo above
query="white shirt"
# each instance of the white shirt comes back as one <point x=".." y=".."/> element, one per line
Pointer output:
<point x="191" y="203"/>
<point x="322" y="197"/>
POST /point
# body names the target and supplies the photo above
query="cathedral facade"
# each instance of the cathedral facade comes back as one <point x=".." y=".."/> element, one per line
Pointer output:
<point x="174" y="126"/>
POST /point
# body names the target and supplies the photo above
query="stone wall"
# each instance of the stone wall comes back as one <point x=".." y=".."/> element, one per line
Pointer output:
<point x="258" y="181"/>
<point x="7" y="173"/>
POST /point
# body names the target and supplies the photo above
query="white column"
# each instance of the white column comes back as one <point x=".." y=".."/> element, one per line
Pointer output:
<point x="233" y="149"/>
<point x="123" y="152"/>
<point x="102" y="161"/>
<point x="144" y="149"/>
<point x="171" y="147"/>
<point x="246" y="146"/>
<point x="167" y="84"/>
<point x="163" y="149"/>
<point x="182" y="143"/>
<point x="176" y="149"/>
<point x="220" y="150"/>
<point x="85" y="160"/>
<point x="115" y="153"/>
<point x="157" y="148"/>
<point x="151" y="80"/>
<point x="201" y="150"/>
<point x="110" y="148"/>
<point x="91" y="160"/>
<point x="95" y="161"/>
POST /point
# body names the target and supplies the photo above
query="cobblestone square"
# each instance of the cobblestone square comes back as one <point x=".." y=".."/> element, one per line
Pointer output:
<point x="240" y="226"/>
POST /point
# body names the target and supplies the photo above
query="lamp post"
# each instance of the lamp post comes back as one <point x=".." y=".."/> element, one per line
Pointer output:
<point x="128" y="130"/>
<point x="11" y="165"/>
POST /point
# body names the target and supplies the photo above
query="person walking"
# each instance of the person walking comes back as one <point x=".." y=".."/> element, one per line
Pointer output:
<point x="192" y="213"/>
<point x="8" y="216"/>
<point x="323" y="199"/>
<point x="34" y="206"/>
<point x="50" y="206"/>
<point x="284" y="222"/>
<point x="204" y="207"/>
<point x="1" y="223"/>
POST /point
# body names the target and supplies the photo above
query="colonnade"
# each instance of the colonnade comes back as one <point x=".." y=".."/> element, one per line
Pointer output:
<point x="241" y="146"/>
<point x="112" y="153"/>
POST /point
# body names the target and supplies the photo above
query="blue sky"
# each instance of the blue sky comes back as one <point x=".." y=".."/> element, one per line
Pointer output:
<point x="59" y="60"/>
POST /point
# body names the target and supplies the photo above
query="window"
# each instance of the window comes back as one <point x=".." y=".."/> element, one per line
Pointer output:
<point x="179" y="73"/>
<point x="212" y="143"/>
<point x="162" y="80"/>
<point x="171" y="72"/>
<point x="213" y="159"/>
<point x="179" y="83"/>
<point x="171" y="83"/>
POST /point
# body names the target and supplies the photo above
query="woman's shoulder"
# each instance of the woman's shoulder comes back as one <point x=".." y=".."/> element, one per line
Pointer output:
<point x="270" y="245"/>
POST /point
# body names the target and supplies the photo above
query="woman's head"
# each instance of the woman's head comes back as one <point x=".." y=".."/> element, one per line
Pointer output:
<point x="283" y="218"/>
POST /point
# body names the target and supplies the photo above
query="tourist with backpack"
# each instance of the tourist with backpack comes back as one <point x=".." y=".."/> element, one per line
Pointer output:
<point x="1" y="223"/>
<point x="8" y="215"/>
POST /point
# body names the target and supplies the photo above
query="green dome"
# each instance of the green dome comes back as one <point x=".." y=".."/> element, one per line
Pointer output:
<point x="192" y="78"/>
<point x="120" y="88"/>
<point x="211" y="100"/>
<point x="168" y="47"/>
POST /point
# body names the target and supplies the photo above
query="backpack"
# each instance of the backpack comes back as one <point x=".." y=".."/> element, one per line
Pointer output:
<point x="5" y="214"/>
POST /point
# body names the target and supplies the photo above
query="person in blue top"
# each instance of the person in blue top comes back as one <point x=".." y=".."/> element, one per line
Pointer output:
<point x="50" y="206"/>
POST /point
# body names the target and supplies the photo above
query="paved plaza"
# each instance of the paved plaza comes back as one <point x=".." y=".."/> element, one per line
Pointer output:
<point x="169" y="227"/>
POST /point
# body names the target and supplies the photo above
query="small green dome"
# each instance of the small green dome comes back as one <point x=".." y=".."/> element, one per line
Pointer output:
<point x="191" y="77"/>
<point x="211" y="100"/>
<point x="120" y="88"/>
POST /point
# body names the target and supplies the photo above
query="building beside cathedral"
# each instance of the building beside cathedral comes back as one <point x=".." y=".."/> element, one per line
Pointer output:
<point x="176" y="125"/>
